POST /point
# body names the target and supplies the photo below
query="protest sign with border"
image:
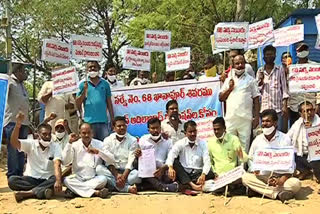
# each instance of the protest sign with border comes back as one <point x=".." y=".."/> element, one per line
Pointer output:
<point x="273" y="159"/>
<point x="288" y="35"/>
<point x="137" y="59"/>
<point x="178" y="59"/>
<point x="55" y="51"/>
<point x="304" y="78"/>
<point x="65" y="81"/>
<point x="205" y="128"/>
<point x="260" y="33"/>
<point x="231" y="35"/>
<point x="214" y="49"/>
<point x="86" y="47"/>
<point x="4" y="84"/>
<point x="313" y="136"/>
<point x="156" y="40"/>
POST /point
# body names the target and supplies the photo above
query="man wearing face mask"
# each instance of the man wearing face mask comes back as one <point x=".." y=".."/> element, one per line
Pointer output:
<point x="189" y="73"/>
<point x="120" y="173"/>
<point x="18" y="100"/>
<point x="85" y="155"/>
<point x="161" y="146"/>
<point x="43" y="169"/>
<point x="111" y="78"/>
<point x="298" y="134"/>
<point x="281" y="185"/>
<point x="189" y="160"/>
<point x="210" y="69"/>
<point x="141" y="79"/>
<point x="241" y="93"/>
<point x="172" y="126"/>
<point x="295" y="99"/>
<point x="273" y="85"/>
<point x="95" y="96"/>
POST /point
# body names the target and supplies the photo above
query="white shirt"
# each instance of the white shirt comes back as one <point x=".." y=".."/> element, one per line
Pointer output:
<point x="279" y="140"/>
<point x="240" y="100"/>
<point x="123" y="151"/>
<point x="115" y="84"/>
<point x="40" y="163"/>
<point x="139" y="81"/>
<point x="62" y="142"/>
<point x="196" y="157"/>
<point x="161" y="148"/>
<point x="83" y="163"/>
<point x="249" y="70"/>
<point x="167" y="128"/>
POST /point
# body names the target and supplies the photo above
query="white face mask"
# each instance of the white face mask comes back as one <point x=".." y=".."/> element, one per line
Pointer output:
<point x="145" y="81"/>
<point x="238" y="72"/>
<point x="303" y="54"/>
<point x="120" y="135"/>
<point x="60" y="135"/>
<point x="112" y="78"/>
<point x="155" y="137"/>
<point x="268" y="131"/>
<point x="93" y="74"/>
<point x="192" y="74"/>
<point x="192" y="142"/>
<point x="45" y="143"/>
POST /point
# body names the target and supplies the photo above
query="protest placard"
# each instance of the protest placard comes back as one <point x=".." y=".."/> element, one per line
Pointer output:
<point x="86" y="47"/>
<point x="147" y="163"/>
<point x="205" y="128"/>
<point x="65" y="81"/>
<point x="313" y="136"/>
<point x="3" y="100"/>
<point x="214" y="49"/>
<point x="260" y="33"/>
<point x="178" y="59"/>
<point x="55" y="51"/>
<point x="137" y="59"/>
<point x="273" y="159"/>
<point x="156" y="40"/>
<point x="197" y="100"/>
<point x="231" y="35"/>
<point x="288" y="35"/>
<point x="304" y="78"/>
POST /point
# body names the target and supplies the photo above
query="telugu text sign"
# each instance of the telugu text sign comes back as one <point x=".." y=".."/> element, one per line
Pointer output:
<point x="260" y="33"/>
<point x="197" y="100"/>
<point x="231" y="35"/>
<point x="156" y="40"/>
<point x="273" y="159"/>
<point x="65" y="81"/>
<point x="304" y="78"/>
<point x="3" y="100"/>
<point x="55" y="51"/>
<point x="86" y="48"/>
<point x="288" y="35"/>
<point x="313" y="136"/>
<point x="137" y="59"/>
<point x="178" y="59"/>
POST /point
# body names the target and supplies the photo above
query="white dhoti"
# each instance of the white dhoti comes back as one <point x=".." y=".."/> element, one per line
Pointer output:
<point x="242" y="128"/>
<point x="85" y="188"/>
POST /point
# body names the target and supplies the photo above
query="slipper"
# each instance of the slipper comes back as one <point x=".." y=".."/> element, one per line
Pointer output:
<point x="190" y="192"/>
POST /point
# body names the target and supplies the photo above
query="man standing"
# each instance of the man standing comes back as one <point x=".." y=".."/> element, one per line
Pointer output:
<point x="111" y="77"/>
<point x="141" y="79"/>
<point x="95" y="96"/>
<point x="161" y="147"/>
<point x="241" y="93"/>
<point x="272" y="84"/>
<point x="43" y="170"/>
<point x="189" y="160"/>
<point x="85" y="155"/>
<point x="172" y="126"/>
<point x="18" y="100"/>
<point x="298" y="134"/>
<point x="281" y="184"/>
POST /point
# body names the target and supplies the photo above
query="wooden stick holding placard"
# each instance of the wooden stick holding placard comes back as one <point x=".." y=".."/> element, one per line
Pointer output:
<point x="225" y="196"/>
<point x="224" y="61"/>
<point x="305" y="104"/>
<point x="265" y="187"/>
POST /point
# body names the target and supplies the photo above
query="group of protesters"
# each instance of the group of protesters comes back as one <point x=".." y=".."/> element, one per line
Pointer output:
<point x="99" y="156"/>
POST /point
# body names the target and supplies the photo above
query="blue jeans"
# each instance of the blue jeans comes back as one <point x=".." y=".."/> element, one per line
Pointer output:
<point x="15" y="159"/>
<point x="100" y="130"/>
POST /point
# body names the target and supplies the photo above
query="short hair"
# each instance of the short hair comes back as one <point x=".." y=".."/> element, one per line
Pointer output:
<point x="284" y="53"/>
<point x="219" y="120"/>
<point x="82" y="124"/>
<point x="239" y="51"/>
<point x="301" y="104"/>
<point x="270" y="112"/>
<point x="16" y="67"/>
<point x="269" y="48"/>
<point x="171" y="102"/>
<point x="189" y="123"/>
<point x="153" y="121"/>
<point x="44" y="126"/>
<point x="236" y="56"/>
<point x="119" y="118"/>
<point x="210" y="60"/>
<point x="93" y="61"/>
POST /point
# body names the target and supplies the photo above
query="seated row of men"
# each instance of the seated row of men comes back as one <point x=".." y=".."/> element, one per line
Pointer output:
<point x="185" y="165"/>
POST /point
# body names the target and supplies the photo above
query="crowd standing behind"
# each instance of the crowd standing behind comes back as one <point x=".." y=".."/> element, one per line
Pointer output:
<point x="101" y="156"/>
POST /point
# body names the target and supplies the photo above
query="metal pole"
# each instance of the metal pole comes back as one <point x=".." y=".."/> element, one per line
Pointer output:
<point x="8" y="36"/>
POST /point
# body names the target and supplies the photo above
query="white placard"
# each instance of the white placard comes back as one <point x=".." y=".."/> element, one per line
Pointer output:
<point x="137" y="59"/>
<point x="214" y="49"/>
<point x="313" y="136"/>
<point x="288" y="35"/>
<point x="317" y="18"/>
<point x="178" y="59"/>
<point x="86" y="48"/>
<point x="304" y="78"/>
<point x="260" y="33"/>
<point x="55" y="51"/>
<point x="156" y="40"/>
<point x="147" y="163"/>
<point x="65" y="81"/>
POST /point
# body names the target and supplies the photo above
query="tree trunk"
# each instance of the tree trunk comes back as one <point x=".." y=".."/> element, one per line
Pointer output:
<point x="241" y="4"/>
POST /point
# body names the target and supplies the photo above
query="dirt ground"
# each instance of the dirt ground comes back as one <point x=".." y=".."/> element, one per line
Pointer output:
<point x="307" y="201"/>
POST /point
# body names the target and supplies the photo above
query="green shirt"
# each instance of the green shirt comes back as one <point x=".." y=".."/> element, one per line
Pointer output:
<point x="223" y="155"/>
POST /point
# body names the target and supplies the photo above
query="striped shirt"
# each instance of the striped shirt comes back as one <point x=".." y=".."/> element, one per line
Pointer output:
<point x="274" y="88"/>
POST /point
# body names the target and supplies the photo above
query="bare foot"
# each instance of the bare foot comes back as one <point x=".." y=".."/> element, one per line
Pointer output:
<point x="133" y="189"/>
<point x="196" y="187"/>
<point x="18" y="196"/>
<point x="103" y="193"/>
